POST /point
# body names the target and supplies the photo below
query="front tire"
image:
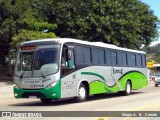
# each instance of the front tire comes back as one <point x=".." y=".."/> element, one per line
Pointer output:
<point x="46" y="100"/>
<point x="82" y="93"/>
<point x="156" y="85"/>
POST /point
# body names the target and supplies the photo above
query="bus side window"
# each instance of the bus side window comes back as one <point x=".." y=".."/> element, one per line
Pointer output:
<point x="67" y="62"/>
<point x="71" y="59"/>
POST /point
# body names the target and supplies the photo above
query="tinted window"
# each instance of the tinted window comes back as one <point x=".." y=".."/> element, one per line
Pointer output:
<point x="138" y="60"/>
<point x="131" y="59"/>
<point x="111" y="57"/>
<point x="143" y="60"/>
<point x="83" y="55"/>
<point x="120" y="58"/>
<point x="114" y="58"/>
<point x="98" y="56"/>
<point x="108" y="57"/>
<point x="124" y="56"/>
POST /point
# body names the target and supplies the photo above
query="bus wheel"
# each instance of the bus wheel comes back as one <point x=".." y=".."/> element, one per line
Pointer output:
<point x="46" y="100"/>
<point x="127" y="89"/>
<point x="82" y="93"/>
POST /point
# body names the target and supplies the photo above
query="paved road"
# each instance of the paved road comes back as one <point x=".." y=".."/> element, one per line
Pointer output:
<point x="146" y="99"/>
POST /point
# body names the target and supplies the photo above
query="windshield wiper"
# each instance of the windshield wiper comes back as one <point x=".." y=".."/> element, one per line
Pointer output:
<point x="43" y="74"/>
<point x="22" y="75"/>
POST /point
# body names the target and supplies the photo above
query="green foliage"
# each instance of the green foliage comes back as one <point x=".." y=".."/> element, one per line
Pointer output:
<point x="33" y="24"/>
<point x="26" y="35"/>
<point x="34" y="30"/>
<point x="153" y="53"/>
<point x="12" y="13"/>
<point x="16" y="18"/>
<point x="126" y="23"/>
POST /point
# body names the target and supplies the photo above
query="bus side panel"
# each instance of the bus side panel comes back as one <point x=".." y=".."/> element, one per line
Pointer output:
<point x="92" y="74"/>
<point x="138" y="80"/>
<point x="100" y="80"/>
<point x="69" y="85"/>
<point x="98" y="87"/>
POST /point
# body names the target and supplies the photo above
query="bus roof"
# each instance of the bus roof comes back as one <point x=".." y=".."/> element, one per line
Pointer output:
<point x="71" y="40"/>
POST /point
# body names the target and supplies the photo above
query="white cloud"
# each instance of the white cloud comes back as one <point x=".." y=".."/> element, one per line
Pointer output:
<point x="155" y="43"/>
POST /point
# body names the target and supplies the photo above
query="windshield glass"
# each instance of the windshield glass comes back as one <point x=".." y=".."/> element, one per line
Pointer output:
<point x="40" y="62"/>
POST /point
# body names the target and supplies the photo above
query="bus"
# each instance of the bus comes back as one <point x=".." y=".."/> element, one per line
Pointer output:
<point x="51" y="69"/>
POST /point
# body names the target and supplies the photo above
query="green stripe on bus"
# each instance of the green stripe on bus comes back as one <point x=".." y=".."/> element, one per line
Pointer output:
<point x="138" y="80"/>
<point x="92" y="73"/>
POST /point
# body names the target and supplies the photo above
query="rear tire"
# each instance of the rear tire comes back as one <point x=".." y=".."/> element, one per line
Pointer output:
<point x="156" y="85"/>
<point x="46" y="100"/>
<point x="128" y="89"/>
<point x="82" y="93"/>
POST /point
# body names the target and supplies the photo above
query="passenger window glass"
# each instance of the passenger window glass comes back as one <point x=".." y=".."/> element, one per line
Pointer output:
<point x="98" y="56"/>
<point x="71" y="60"/>
<point x="83" y="55"/>
<point x="114" y="58"/>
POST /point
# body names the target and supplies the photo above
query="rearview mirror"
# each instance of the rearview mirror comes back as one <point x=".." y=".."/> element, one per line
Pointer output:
<point x="12" y="56"/>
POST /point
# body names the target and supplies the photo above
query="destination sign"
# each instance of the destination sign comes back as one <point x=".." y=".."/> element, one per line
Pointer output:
<point x="28" y="47"/>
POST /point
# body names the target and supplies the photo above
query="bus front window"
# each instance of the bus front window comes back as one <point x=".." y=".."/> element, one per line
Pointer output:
<point x="42" y="62"/>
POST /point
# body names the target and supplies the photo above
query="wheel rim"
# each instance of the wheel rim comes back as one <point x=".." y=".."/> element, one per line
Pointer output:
<point x="128" y="88"/>
<point x="82" y="92"/>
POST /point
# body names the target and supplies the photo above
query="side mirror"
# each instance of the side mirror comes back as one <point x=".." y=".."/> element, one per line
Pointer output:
<point x="12" y="56"/>
<point x="69" y="55"/>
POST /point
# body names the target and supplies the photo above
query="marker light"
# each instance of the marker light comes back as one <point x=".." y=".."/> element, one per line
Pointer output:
<point x="15" y="95"/>
<point x="15" y="86"/>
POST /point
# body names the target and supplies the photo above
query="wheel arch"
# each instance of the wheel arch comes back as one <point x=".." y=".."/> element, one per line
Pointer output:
<point x="125" y="91"/>
<point x="86" y="83"/>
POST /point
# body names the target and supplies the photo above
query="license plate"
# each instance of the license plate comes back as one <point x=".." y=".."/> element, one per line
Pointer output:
<point x="33" y="97"/>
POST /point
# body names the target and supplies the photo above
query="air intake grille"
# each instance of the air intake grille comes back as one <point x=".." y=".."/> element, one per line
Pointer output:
<point x="37" y="94"/>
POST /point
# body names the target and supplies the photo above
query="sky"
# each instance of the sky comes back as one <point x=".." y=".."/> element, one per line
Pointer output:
<point x="155" y="6"/>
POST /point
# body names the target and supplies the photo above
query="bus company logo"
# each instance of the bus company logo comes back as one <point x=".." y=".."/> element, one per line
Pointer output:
<point x="6" y="114"/>
<point x="120" y="70"/>
<point x="37" y="86"/>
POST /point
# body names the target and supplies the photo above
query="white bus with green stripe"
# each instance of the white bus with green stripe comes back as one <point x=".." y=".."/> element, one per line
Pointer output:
<point x="59" y="68"/>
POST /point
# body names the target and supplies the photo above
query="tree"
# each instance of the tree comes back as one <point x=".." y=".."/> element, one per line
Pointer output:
<point x="12" y="13"/>
<point x="126" y="23"/>
<point x="153" y="53"/>
<point x="19" y="20"/>
<point x="33" y="30"/>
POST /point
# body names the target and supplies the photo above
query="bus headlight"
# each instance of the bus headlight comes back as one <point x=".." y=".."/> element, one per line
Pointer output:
<point x="15" y="86"/>
<point x="52" y="84"/>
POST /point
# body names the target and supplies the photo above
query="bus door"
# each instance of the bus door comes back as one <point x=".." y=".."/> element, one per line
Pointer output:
<point x="67" y="60"/>
<point x="67" y="75"/>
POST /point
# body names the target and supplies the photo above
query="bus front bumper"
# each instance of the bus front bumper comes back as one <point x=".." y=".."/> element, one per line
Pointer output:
<point x="54" y="92"/>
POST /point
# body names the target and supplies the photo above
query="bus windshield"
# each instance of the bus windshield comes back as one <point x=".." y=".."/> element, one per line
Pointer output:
<point x="38" y="63"/>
